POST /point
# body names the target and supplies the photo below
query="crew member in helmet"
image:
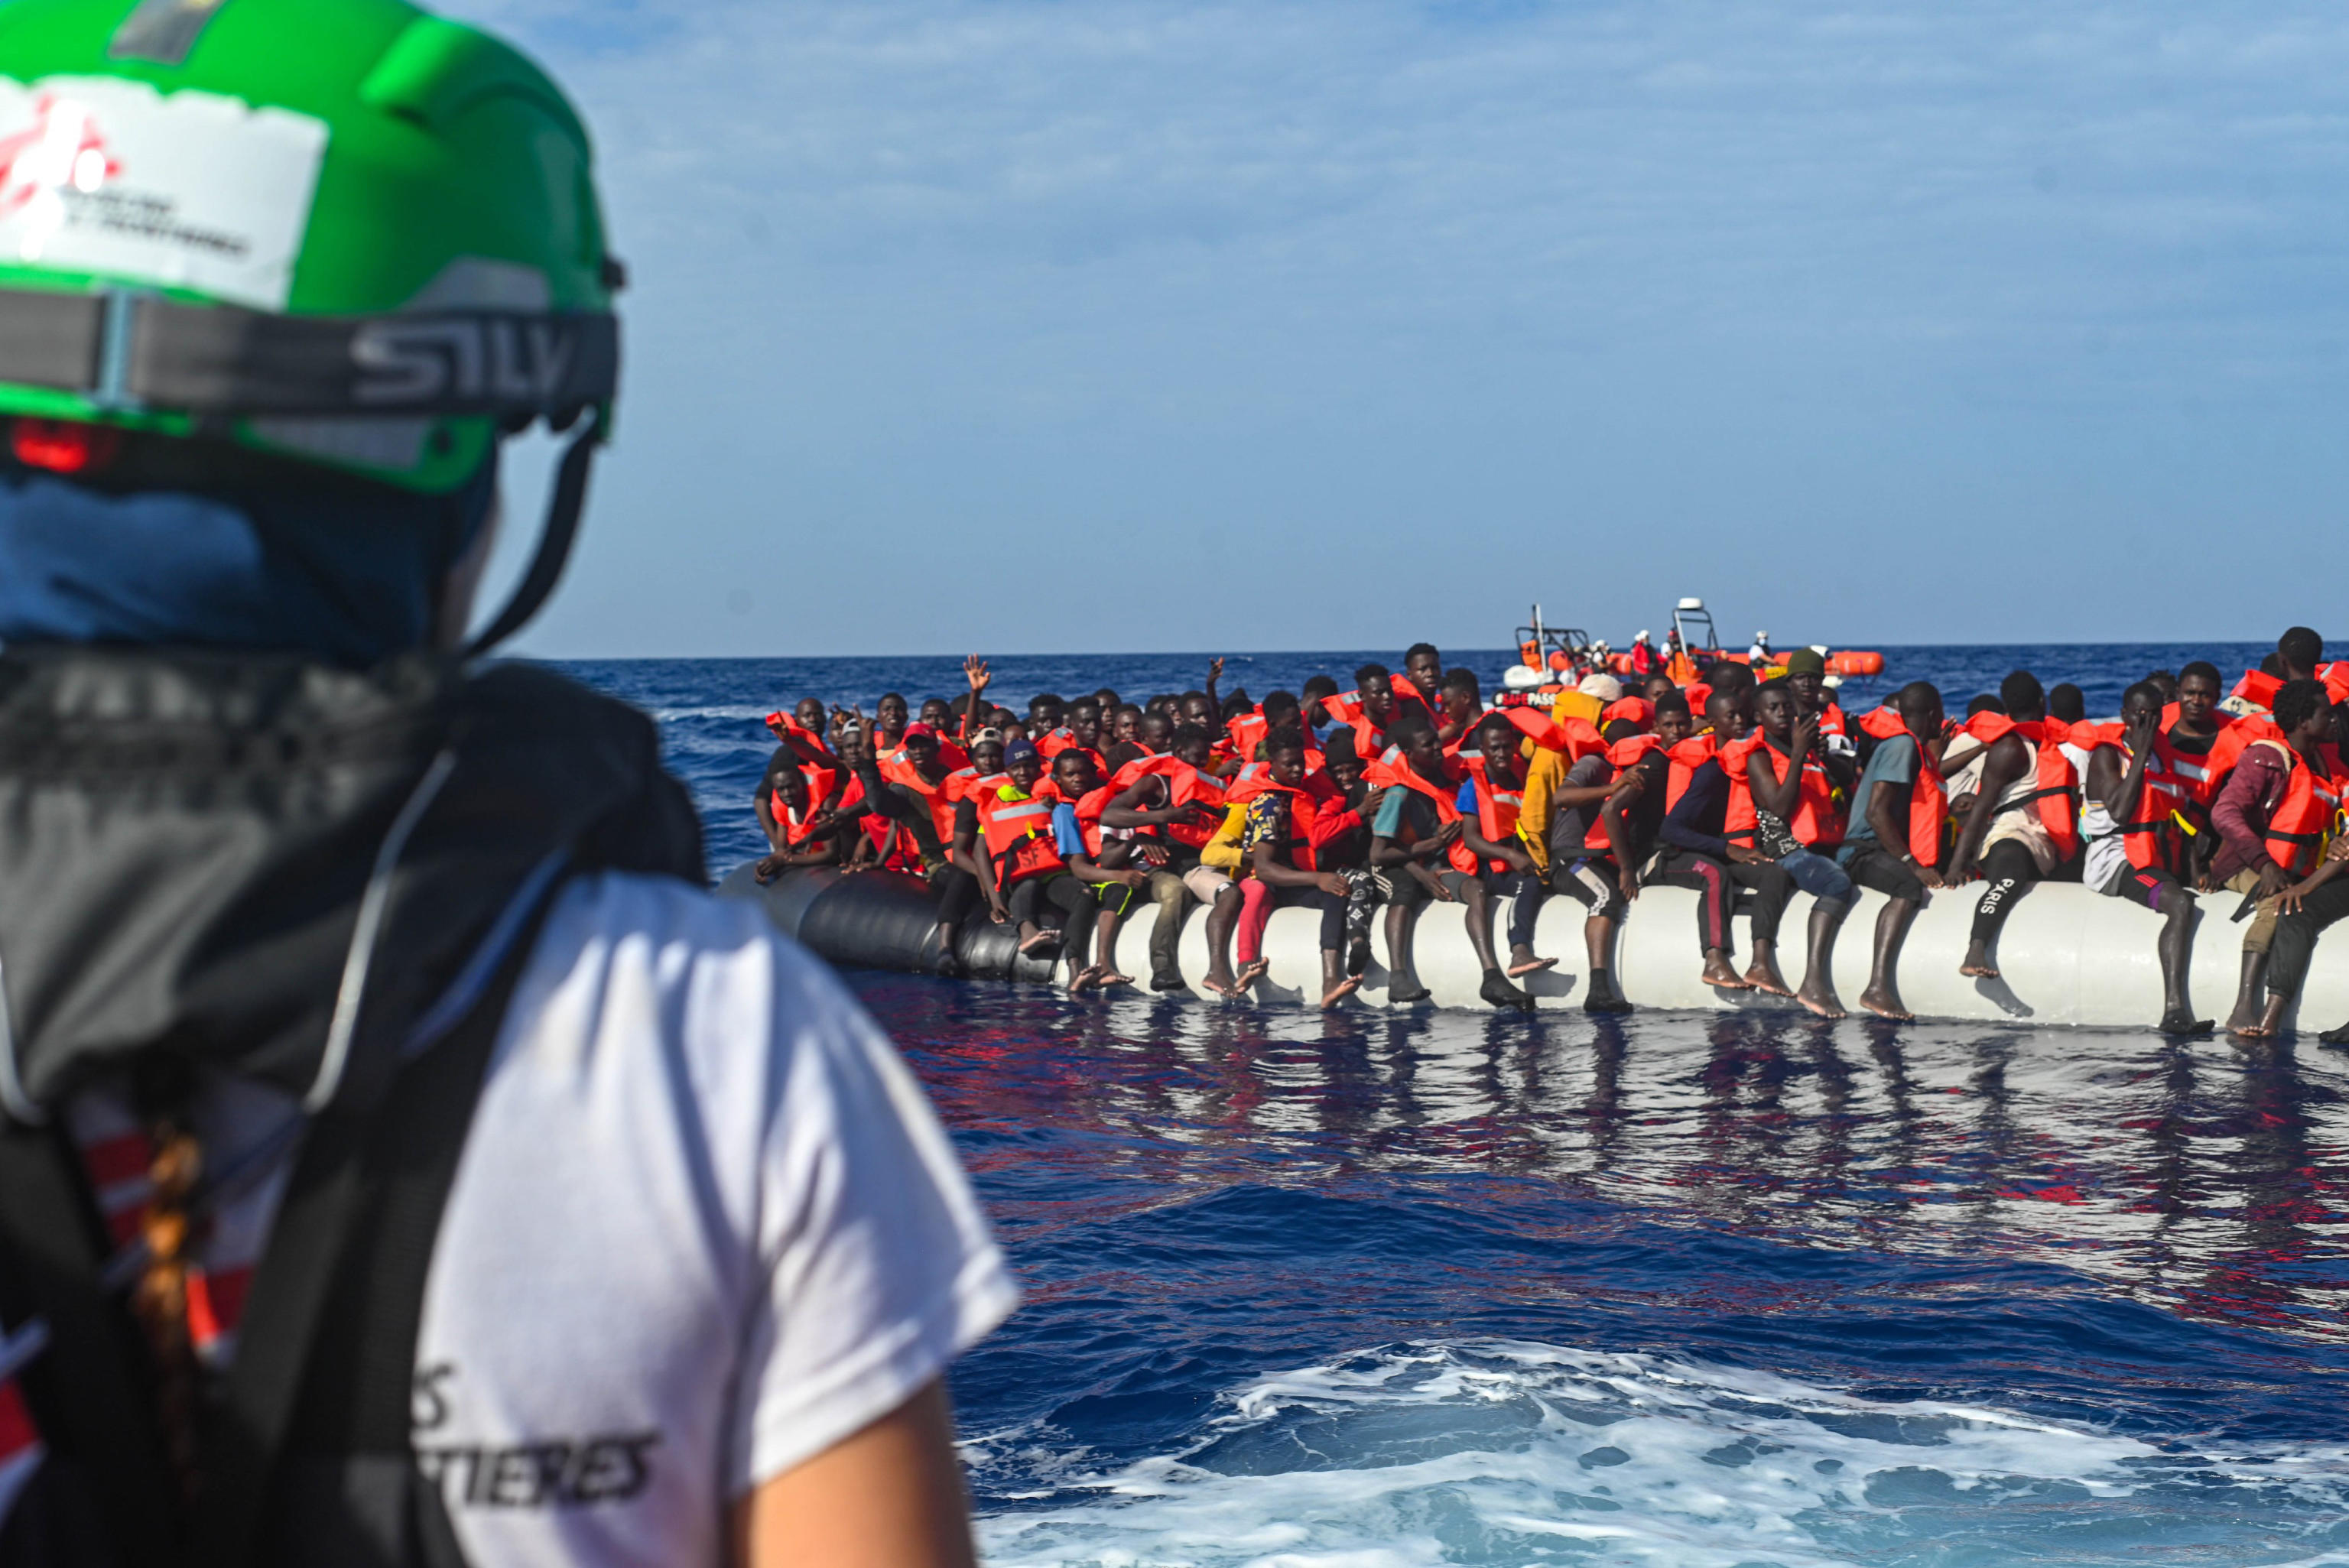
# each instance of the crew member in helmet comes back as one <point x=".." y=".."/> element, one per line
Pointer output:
<point x="400" y="1161"/>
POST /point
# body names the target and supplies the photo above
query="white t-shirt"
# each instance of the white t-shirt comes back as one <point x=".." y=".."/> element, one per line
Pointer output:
<point x="705" y="1226"/>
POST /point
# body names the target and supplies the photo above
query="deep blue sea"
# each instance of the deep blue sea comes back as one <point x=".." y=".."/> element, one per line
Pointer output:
<point x="1381" y="1291"/>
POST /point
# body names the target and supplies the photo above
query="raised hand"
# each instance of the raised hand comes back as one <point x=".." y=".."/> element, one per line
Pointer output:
<point x="975" y="671"/>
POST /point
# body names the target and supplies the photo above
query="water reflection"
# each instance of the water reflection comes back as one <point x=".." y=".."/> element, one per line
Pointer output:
<point x="2195" y="1173"/>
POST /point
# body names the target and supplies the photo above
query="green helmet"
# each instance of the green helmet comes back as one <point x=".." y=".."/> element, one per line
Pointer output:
<point x="351" y="234"/>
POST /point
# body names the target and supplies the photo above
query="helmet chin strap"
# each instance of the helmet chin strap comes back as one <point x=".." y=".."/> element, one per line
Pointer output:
<point x="555" y="540"/>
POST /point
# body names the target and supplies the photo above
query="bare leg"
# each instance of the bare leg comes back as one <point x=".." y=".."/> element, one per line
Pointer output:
<point x="1480" y="923"/>
<point x="1105" y="970"/>
<point x="1224" y="915"/>
<point x="2176" y="948"/>
<point x="1719" y="971"/>
<point x="1602" y="996"/>
<point x="1762" y="973"/>
<point x="1336" y="984"/>
<point x="1402" y="982"/>
<point x="1882" y="996"/>
<point x="1818" y="992"/>
<point x="2245" y="1019"/>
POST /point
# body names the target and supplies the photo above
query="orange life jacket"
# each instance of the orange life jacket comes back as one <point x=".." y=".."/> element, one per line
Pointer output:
<point x="1304" y="807"/>
<point x="1392" y="772"/>
<point x="1685" y="758"/>
<point x="2152" y="837"/>
<point x="2234" y="738"/>
<point x="2309" y="813"/>
<point x="1928" y="809"/>
<point x="898" y="769"/>
<point x="1185" y="785"/>
<point x="1497" y="816"/>
<point x="795" y="831"/>
<point x="1624" y="756"/>
<point x="1089" y="808"/>
<point x="1831" y="718"/>
<point x="1817" y="823"/>
<point x="1018" y="834"/>
<point x="2258" y="687"/>
<point x="1248" y="731"/>
<point x="1341" y="707"/>
<point x="2055" y="794"/>
<point x="1883" y="723"/>
<point x="1249" y="780"/>
<point x="963" y="780"/>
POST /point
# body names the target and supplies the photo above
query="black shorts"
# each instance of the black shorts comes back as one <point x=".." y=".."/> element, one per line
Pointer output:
<point x="1593" y="883"/>
<point x="1887" y="873"/>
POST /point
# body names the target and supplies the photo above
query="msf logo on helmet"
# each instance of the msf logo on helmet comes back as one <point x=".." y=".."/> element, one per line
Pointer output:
<point x="61" y="149"/>
<point x="499" y="360"/>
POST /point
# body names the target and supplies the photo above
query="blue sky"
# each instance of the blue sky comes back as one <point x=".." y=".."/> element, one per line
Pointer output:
<point x="1050" y="324"/>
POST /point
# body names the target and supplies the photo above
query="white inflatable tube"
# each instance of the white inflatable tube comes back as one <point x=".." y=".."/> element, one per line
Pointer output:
<point x="2067" y="956"/>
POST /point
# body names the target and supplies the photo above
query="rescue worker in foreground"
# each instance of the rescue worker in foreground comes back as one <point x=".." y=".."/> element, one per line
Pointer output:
<point x="400" y="1161"/>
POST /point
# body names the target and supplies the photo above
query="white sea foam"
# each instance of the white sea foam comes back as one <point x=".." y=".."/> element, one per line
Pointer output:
<point x="1506" y="1452"/>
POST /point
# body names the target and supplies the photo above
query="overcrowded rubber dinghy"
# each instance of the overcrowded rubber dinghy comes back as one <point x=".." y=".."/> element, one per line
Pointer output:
<point x="2068" y="955"/>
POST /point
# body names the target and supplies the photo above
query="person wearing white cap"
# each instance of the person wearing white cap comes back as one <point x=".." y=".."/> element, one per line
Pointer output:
<point x="1759" y="654"/>
<point x="1603" y="686"/>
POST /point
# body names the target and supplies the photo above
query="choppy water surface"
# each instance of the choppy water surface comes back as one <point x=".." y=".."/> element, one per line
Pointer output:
<point x="1434" y="1289"/>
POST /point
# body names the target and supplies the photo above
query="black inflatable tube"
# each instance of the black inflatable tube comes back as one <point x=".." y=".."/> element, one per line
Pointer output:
<point x="881" y="920"/>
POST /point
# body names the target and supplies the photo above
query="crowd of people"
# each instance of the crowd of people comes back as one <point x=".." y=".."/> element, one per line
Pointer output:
<point x="1743" y="785"/>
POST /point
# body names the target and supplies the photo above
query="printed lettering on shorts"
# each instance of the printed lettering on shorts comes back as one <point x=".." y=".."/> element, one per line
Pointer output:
<point x="551" y="1471"/>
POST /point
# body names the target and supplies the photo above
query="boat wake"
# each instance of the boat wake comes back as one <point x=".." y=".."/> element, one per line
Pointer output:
<point x="1494" y="1451"/>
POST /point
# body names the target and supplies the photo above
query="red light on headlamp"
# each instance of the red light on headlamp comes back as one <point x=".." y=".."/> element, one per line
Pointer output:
<point x="63" y="446"/>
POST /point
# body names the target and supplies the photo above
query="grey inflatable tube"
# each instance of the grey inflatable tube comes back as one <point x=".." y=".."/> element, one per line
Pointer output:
<point x="2067" y="956"/>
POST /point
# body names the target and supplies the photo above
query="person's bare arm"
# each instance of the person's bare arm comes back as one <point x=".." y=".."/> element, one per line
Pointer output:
<point x="1782" y="797"/>
<point x="891" y="1496"/>
<point x="762" y="805"/>
<point x="2006" y="762"/>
